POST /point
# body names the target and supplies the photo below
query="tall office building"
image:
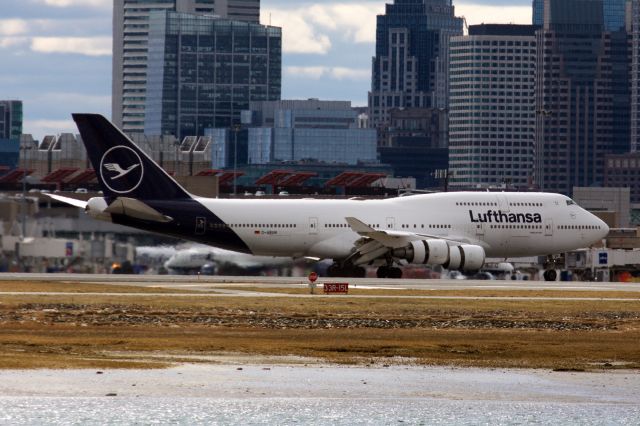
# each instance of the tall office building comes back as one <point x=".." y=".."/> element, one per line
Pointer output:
<point x="203" y="71"/>
<point x="10" y="119"/>
<point x="634" y="31"/>
<point x="416" y="145"/>
<point x="537" y="15"/>
<point x="613" y="14"/>
<point x="492" y="106"/>
<point x="130" y="46"/>
<point x="582" y="95"/>
<point x="411" y="66"/>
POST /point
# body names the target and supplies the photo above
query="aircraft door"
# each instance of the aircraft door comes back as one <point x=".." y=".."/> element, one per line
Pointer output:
<point x="503" y="202"/>
<point x="479" y="229"/>
<point x="313" y="226"/>
<point x="548" y="227"/>
<point x="391" y="223"/>
<point x="201" y="225"/>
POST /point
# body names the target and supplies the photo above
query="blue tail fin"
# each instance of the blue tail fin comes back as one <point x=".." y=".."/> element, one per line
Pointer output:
<point x="123" y="169"/>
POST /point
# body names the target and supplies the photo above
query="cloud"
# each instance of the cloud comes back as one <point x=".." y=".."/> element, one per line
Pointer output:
<point x="13" y="42"/>
<point x="298" y="35"/>
<point x="306" y="29"/>
<point x="319" y="72"/>
<point x="13" y="27"/>
<point x="490" y="14"/>
<point x="101" y="4"/>
<point x="90" y="46"/>
<point x="356" y="22"/>
<point x="41" y="128"/>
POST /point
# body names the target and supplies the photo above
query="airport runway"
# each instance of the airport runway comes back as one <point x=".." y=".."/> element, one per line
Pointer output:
<point x="237" y="286"/>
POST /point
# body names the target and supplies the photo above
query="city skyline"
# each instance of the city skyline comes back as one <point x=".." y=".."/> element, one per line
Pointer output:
<point x="57" y="53"/>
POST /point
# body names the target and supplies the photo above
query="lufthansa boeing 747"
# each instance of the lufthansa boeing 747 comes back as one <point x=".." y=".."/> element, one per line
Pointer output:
<point x="456" y="229"/>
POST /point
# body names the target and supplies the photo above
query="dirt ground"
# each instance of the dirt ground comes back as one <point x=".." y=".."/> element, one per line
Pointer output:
<point x="108" y="331"/>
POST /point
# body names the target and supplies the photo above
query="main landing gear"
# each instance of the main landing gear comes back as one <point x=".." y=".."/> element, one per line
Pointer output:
<point x="389" y="272"/>
<point x="346" y="271"/>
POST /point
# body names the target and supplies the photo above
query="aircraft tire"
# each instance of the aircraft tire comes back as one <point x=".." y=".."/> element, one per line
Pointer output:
<point x="395" y="273"/>
<point x="550" y="275"/>
<point x="334" y="270"/>
<point x="358" y="272"/>
<point x="382" y="272"/>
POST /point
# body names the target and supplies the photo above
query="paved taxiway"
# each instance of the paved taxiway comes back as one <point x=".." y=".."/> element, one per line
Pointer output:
<point x="226" y="286"/>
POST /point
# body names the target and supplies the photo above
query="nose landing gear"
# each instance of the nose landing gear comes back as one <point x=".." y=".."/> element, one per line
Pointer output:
<point x="550" y="275"/>
<point x="550" y="264"/>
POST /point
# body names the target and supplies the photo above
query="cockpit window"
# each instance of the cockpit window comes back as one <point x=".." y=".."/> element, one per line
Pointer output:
<point x="571" y="203"/>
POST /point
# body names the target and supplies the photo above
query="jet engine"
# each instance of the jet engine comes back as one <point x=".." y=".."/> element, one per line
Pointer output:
<point x="96" y="207"/>
<point x="465" y="258"/>
<point x="429" y="252"/>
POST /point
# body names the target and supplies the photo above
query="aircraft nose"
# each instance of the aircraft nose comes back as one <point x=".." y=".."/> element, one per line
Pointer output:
<point x="604" y="228"/>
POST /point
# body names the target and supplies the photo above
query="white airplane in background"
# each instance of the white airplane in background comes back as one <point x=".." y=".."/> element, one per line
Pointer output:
<point x="194" y="258"/>
<point x="456" y="230"/>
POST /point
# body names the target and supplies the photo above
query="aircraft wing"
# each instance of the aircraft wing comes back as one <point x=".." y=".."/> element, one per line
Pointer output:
<point x="377" y="243"/>
<point x="395" y="239"/>
<point x="71" y="201"/>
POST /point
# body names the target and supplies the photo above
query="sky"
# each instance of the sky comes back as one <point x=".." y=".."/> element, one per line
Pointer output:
<point x="56" y="54"/>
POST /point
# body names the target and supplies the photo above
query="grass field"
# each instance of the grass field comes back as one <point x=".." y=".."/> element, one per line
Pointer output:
<point x="111" y="331"/>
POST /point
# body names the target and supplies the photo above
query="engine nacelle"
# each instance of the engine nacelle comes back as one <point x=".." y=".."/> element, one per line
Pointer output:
<point x="96" y="207"/>
<point x="425" y="252"/>
<point x="465" y="258"/>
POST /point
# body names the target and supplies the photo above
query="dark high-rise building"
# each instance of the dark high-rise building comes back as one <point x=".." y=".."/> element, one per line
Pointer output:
<point x="634" y="30"/>
<point x="10" y="119"/>
<point x="613" y="14"/>
<point x="537" y="15"/>
<point x="416" y="146"/>
<point x="582" y="95"/>
<point x="203" y="71"/>
<point x="130" y="47"/>
<point x="411" y="66"/>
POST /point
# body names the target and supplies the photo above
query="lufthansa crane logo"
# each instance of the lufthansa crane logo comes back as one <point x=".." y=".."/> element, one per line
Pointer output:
<point x="121" y="169"/>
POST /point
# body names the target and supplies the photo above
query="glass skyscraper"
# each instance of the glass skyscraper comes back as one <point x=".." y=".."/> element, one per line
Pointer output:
<point x="309" y="130"/>
<point x="635" y="74"/>
<point x="411" y="66"/>
<point x="130" y="46"/>
<point x="582" y="95"/>
<point x="203" y="71"/>
<point x="613" y="14"/>
<point x="10" y="119"/>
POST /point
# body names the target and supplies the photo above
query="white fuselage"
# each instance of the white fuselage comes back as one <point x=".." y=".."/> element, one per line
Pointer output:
<point x="505" y="224"/>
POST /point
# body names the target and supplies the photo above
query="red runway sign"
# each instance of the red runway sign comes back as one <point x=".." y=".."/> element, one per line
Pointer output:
<point x="330" y="288"/>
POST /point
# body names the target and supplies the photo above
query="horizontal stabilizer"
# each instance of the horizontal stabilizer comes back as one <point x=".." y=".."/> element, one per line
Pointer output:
<point x="71" y="201"/>
<point x="137" y="209"/>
